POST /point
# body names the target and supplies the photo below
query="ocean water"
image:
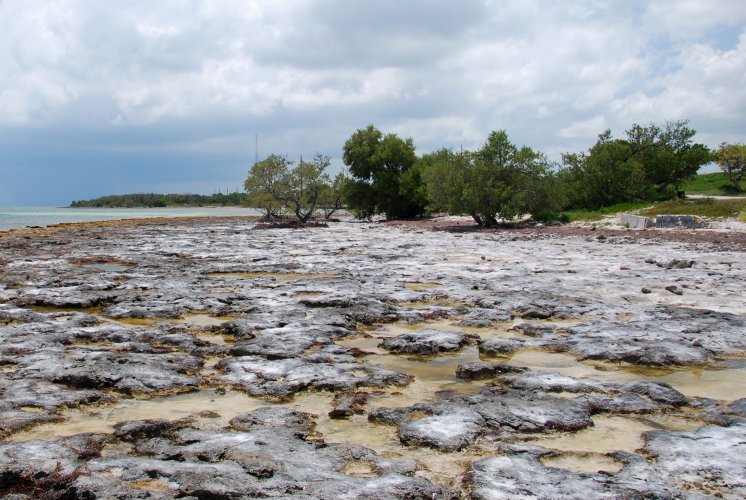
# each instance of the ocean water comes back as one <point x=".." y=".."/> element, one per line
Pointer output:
<point x="21" y="217"/>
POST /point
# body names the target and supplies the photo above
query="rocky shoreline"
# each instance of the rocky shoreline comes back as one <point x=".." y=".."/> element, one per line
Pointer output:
<point x="204" y="358"/>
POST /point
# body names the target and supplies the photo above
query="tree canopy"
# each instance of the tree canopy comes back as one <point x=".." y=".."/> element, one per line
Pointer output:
<point x="732" y="161"/>
<point x="265" y="183"/>
<point x="275" y="185"/>
<point x="499" y="180"/>
<point x="650" y="163"/>
<point x="380" y="183"/>
<point x="155" y="200"/>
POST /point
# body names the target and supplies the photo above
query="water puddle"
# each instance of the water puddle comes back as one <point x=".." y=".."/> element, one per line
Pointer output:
<point x="438" y="371"/>
<point x="724" y="384"/>
<point x="609" y="433"/>
<point x="31" y="409"/>
<point x="422" y="287"/>
<point x="583" y="462"/>
<point x="66" y="312"/>
<point x="446" y="469"/>
<point x="434" y="375"/>
<point x="496" y="330"/>
<point x="565" y="364"/>
<point x="156" y="485"/>
<point x="361" y="468"/>
<point x="216" y="338"/>
<point x="196" y="320"/>
<point x="204" y="320"/>
<point x="366" y="343"/>
<point x="103" y="418"/>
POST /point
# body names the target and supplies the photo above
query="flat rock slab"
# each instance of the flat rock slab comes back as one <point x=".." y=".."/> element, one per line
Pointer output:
<point x="427" y="342"/>
<point x="636" y="221"/>
<point x="707" y="463"/>
<point x="679" y="221"/>
<point x="276" y="303"/>
<point x="663" y="336"/>
<point x="282" y="378"/>
<point x="457" y="422"/>
<point x="125" y="372"/>
<point x="269" y="452"/>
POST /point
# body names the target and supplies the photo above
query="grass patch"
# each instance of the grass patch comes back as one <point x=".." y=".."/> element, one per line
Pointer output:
<point x="716" y="184"/>
<point x="591" y="215"/>
<point x="704" y="207"/>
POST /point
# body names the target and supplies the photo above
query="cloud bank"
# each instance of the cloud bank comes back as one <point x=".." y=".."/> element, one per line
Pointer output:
<point x="114" y="97"/>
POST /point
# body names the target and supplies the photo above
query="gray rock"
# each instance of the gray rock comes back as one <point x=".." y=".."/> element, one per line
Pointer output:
<point x="457" y="422"/>
<point x="679" y="222"/>
<point x="498" y="346"/>
<point x="283" y="377"/>
<point x="480" y="370"/>
<point x="482" y="317"/>
<point x="427" y="342"/>
<point x="524" y="476"/>
<point x="126" y="372"/>
<point x="710" y="461"/>
<point x="348" y="404"/>
<point x="448" y="432"/>
<point x="636" y="221"/>
<point x="268" y="452"/>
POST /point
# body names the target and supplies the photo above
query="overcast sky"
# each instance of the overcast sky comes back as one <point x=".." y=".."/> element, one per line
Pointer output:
<point x="100" y="97"/>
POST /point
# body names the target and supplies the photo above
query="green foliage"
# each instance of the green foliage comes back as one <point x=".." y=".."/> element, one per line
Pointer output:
<point x="715" y="184"/>
<point x="499" y="180"/>
<point x="301" y="188"/>
<point x="651" y="163"/>
<point x="274" y="185"/>
<point x="704" y="207"/>
<point x="732" y="161"/>
<point x="331" y="198"/>
<point x="379" y="182"/>
<point x="264" y="184"/>
<point x="667" y="155"/>
<point x="153" y="200"/>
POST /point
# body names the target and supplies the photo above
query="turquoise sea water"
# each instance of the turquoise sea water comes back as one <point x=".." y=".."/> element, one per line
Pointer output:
<point x="20" y="217"/>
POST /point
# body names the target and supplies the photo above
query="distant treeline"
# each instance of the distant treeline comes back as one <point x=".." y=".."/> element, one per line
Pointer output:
<point x="153" y="200"/>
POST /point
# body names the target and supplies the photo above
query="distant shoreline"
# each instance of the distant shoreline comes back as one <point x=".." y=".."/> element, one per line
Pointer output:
<point x="33" y="217"/>
<point x="158" y="200"/>
<point x="146" y="207"/>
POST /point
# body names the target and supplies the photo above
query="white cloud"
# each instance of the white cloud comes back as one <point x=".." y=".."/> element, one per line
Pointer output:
<point x="584" y="128"/>
<point x="307" y="73"/>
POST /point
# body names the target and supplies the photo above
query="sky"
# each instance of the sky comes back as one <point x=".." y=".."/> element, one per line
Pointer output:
<point x="177" y="96"/>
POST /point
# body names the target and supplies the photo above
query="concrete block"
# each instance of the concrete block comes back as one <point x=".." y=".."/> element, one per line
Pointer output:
<point x="636" y="221"/>
<point x="679" y="221"/>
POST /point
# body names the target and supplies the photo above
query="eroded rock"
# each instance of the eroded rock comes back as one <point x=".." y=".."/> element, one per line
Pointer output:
<point x="427" y="342"/>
